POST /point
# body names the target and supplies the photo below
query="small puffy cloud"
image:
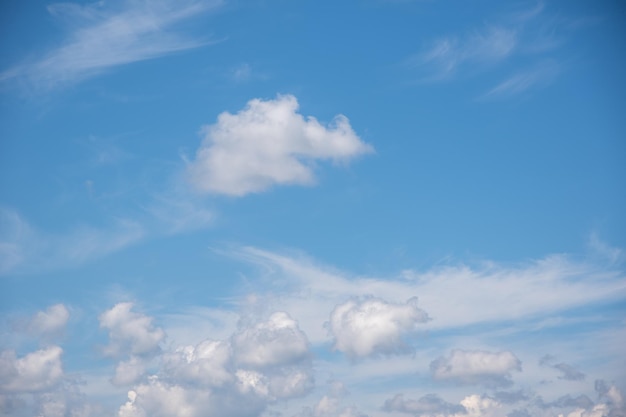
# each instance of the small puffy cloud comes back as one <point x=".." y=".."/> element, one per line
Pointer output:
<point x="476" y="367"/>
<point x="427" y="405"/>
<point x="373" y="326"/>
<point x="49" y="322"/>
<point x="277" y="341"/>
<point x="130" y="332"/>
<point x="568" y="372"/>
<point x="269" y="143"/>
<point x="34" y="372"/>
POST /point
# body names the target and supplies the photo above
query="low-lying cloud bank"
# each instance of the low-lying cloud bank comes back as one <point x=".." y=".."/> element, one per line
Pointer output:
<point x="321" y="343"/>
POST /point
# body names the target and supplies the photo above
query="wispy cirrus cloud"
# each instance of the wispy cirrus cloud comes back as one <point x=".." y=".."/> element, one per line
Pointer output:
<point x="25" y="248"/>
<point x="520" y="82"/>
<point x="101" y="37"/>
<point x="522" y="43"/>
<point x="447" y="55"/>
<point x="312" y="289"/>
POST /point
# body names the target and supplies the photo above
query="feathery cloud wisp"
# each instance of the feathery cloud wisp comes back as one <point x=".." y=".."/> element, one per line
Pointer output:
<point x="101" y="38"/>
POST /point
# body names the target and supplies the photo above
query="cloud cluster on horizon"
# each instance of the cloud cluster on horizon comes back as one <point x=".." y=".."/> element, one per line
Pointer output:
<point x="269" y="360"/>
<point x="317" y="325"/>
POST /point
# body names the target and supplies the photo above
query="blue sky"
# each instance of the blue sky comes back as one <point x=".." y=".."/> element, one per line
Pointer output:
<point x="312" y="209"/>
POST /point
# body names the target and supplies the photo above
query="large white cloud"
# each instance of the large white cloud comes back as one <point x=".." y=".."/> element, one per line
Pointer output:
<point x="130" y="332"/>
<point x="476" y="366"/>
<point x="36" y="371"/>
<point x="269" y="143"/>
<point x="373" y="326"/>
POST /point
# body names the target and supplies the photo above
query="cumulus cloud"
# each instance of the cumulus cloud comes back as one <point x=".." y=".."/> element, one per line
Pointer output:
<point x="476" y="367"/>
<point x="130" y="332"/>
<point x="568" y="372"/>
<point x="34" y="372"/>
<point x="157" y="398"/>
<point x="373" y="326"/>
<point x="206" y="364"/>
<point x="50" y="322"/>
<point x="269" y="143"/>
<point x="480" y="406"/>
<point x="263" y="362"/>
<point x="277" y="341"/>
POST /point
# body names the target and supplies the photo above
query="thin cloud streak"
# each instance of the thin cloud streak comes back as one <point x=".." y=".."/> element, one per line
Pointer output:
<point x="102" y="39"/>
<point x="447" y="55"/>
<point x="25" y="249"/>
<point x="540" y="288"/>
<point x="524" y="81"/>
<point x="524" y="44"/>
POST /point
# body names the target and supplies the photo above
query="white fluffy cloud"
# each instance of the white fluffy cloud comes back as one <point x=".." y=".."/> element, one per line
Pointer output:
<point x="260" y="364"/>
<point x="36" y="371"/>
<point x="488" y="368"/>
<point x="373" y="326"/>
<point x="277" y="341"/>
<point x="206" y="364"/>
<point x="51" y="321"/>
<point x="130" y="332"/>
<point x="269" y="143"/>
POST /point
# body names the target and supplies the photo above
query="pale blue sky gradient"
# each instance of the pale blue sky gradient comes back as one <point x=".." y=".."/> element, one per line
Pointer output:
<point x="216" y="162"/>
